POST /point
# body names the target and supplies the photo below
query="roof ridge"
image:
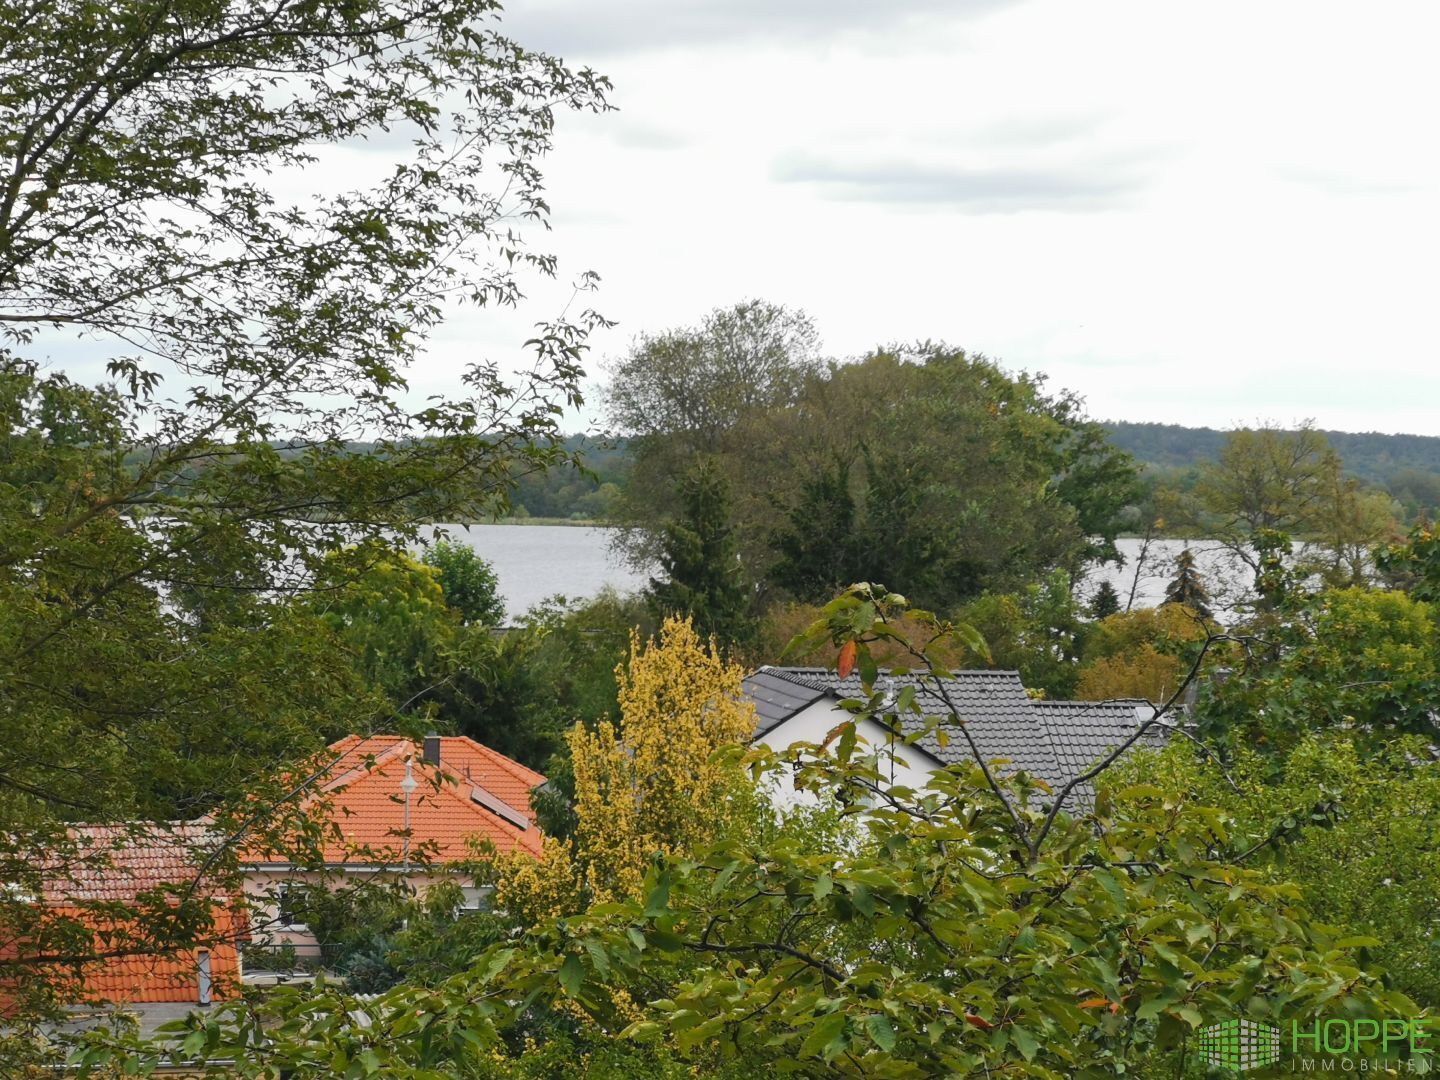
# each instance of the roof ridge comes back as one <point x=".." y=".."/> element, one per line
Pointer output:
<point x="504" y="761"/>
<point x="366" y="767"/>
<point x="783" y="672"/>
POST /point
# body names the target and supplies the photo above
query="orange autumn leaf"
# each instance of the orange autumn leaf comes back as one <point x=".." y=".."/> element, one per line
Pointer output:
<point x="1095" y="1003"/>
<point x="846" y="662"/>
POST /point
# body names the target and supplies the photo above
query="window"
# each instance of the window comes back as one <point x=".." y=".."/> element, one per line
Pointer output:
<point x="290" y="905"/>
<point x="475" y="899"/>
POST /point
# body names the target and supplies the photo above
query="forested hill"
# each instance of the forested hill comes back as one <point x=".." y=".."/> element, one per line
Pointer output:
<point x="1408" y="466"/>
<point x="1371" y="456"/>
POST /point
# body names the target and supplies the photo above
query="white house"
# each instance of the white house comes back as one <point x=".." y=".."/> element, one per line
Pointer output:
<point x="1054" y="741"/>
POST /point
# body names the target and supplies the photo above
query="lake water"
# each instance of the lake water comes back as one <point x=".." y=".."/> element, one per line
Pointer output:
<point x="534" y="562"/>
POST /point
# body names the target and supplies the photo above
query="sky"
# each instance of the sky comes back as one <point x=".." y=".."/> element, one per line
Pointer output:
<point x="1209" y="214"/>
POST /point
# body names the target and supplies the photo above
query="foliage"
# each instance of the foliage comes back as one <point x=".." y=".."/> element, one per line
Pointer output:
<point x="1188" y="588"/>
<point x="1037" y="631"/>
<point x="1343" y="658"/>
<point x="921" y="465"/>
<point x="391" y="614"/>
<point x="1267" y="481"/>
<point x="158" y="201"/>
<point x="570" y="677"/>
<point x="651" y="786"/>
<point x="1105" y="602"/>
<point x="1415" y="564"/>
<point x="559" y="1054"/>
<point x="700" y="561"/>
<point x="976" y="926"/>
<point x="1408" y="465"/>
<point x="697" y="383"/>
<point x="1357" y="830"/>
<point x="784" y="622"/>
<point x="467" y="581"/>
<point x="1138" y="654"/>
<point x="587" y="489"/>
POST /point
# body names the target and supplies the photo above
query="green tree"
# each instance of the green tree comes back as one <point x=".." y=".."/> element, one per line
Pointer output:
<point x="701" y="562"/>
<point x="693" y="385"/>
<point x="1187" y="588"/>
<point x="952" y="474"/>
<point x="1356" y="659"/>
<point x="468" y="582"/>
<point x="1105" y="602"/>
<point x="1139" y="654"/>
<point x="158" y="197"/>
<point x="1414" y="565"/>
<point x="391" y="614"/>
<point x="1354" y="824"/>
<point x="1267" y="480"/>
<point x="1038" y="631"/>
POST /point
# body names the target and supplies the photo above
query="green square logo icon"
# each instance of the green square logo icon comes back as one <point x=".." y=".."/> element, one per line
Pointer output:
<point x="1240" y="1044"/>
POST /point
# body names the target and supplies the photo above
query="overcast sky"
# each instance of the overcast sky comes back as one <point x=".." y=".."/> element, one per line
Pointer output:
<point x="1196" y="213"/>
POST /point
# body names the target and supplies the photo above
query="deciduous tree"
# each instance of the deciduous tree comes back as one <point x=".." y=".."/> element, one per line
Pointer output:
<point x="649" y="786"/>
<point x="168" y="191"/>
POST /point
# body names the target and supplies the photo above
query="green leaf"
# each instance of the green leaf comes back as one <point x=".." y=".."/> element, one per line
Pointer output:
<point x="881" y="1033"/>
<point x="658" y="902"/>
<point x="572" y="974"/>
<point x="1027" y="1042"/>
<point x="863" y="901"/>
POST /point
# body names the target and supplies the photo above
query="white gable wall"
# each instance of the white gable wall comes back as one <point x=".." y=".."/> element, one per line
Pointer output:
<point x="908" y="765"/>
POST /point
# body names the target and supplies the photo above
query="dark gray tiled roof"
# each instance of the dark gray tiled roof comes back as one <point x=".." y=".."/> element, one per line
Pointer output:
<point x="1083" y="732"/>
<point x="993" y="705"/>
<point x="778" y="698"/>
<point x="1054" y="741"/>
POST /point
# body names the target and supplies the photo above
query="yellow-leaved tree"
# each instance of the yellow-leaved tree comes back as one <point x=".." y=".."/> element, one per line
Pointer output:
<point x="650" y="785"/>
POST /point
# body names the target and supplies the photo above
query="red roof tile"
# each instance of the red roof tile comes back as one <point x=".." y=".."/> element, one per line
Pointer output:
<point x="477" y="794"/>
<point x="108" y="865"/>
<point x="150" y="977"/>
<point x="121" y="861"/>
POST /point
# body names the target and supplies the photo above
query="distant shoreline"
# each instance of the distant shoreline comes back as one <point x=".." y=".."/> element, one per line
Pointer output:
<point x="586" y="523"/>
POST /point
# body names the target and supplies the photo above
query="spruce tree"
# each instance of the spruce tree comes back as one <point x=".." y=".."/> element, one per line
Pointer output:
<point x="700" y="561"/>
<point x="1187" y="588"/>
<point x="1105" y="602"/>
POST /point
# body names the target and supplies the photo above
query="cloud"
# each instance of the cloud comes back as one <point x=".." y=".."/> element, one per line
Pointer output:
<point x="582" y="29"/>
<point x="996" y="190"/>
<point x="647" y="137"/>
<point x="1343" y="183"/>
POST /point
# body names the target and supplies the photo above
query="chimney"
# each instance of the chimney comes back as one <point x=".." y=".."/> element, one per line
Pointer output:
<point x="432" y="749"/>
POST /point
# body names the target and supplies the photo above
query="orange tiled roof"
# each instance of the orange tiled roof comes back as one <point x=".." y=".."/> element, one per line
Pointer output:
<point x="476" y="794"/>
<point x="172" y="976"/>
<point x="118" y="863"/>
<point x="121" y="861"/>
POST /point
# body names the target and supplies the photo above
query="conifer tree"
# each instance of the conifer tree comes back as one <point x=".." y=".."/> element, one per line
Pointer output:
<point x="700" y="561"/>
<point x="1106" y="601"/>
<point x="1188" y="588"/>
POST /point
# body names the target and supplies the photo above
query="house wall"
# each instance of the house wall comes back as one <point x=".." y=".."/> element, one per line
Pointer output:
<point x="261" y="888"/>
<point x="908" y="765"/>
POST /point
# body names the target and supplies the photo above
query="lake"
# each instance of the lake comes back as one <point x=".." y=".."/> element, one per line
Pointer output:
<point x="534" y="562"/>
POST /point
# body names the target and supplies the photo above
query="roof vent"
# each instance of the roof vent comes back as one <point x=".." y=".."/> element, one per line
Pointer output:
<point x="432" y="749"/>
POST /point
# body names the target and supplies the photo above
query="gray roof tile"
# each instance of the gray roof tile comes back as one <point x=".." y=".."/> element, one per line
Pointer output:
<point x="1053" y="741"/>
